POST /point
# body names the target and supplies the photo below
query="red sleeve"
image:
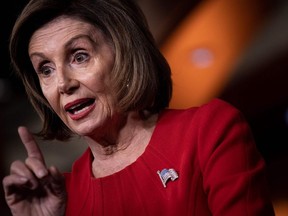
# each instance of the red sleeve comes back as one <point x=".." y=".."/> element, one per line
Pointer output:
<point x="234" y="175"/>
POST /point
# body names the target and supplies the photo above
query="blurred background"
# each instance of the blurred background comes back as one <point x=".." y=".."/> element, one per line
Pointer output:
<point x="236" y="50"/>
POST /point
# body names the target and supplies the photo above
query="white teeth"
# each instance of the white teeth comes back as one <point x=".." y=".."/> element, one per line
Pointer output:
<point x="78" y="111"/>
<point x="73" y="107"/>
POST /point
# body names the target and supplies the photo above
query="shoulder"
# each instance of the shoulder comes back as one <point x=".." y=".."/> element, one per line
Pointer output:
<point x="213" y="124"/>
<point x="219" y="111"/>
<point x="219" y="118"/>
<point x="214" y="110"/>
<point x="208" y="122"/>
<point x="217" y="105"/>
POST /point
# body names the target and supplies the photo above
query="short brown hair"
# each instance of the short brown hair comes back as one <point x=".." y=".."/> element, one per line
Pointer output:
<point x="138" y="62"/>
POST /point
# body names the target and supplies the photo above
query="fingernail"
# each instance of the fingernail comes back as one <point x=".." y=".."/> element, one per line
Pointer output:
<point x="41" y="173"/>
<point x="23" y="179"/>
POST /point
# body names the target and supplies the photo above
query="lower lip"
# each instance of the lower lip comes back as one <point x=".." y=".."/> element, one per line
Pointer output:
<point x="82" y="114"/>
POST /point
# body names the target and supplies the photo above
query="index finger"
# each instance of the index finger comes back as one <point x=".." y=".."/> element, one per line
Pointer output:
<point x="30" y="144"/>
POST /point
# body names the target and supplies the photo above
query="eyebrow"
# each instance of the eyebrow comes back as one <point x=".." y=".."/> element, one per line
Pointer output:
<point x="73" y="39"/>
<point x="36" y="54"/>
<point x="67" y="44"/>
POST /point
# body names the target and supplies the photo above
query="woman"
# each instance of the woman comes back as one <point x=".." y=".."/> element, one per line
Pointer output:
<point x="91" y="68"/>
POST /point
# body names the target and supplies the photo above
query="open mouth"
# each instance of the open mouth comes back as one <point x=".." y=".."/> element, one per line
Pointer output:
<point x="79" y="106"/>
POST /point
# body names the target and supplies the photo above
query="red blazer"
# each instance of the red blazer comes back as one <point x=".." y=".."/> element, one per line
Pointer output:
<point x="220" y="172"/>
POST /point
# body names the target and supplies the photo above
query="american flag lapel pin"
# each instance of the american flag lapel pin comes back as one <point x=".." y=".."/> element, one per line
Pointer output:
<point x="167" y="174"/>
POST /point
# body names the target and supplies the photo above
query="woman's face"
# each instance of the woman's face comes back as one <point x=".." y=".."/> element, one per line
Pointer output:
<point x="73" y="61"/>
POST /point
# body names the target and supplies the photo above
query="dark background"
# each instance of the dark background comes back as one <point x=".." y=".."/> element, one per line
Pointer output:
<point x="259" y="89"/>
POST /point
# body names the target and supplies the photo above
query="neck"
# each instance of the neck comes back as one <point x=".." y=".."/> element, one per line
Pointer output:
<point x="119" y="148"/>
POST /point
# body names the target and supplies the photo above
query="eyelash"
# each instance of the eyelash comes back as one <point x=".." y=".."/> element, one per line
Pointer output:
<point x="43" y="70"/>
<point x="83" y="56"/>
<point x="43" y="67"/>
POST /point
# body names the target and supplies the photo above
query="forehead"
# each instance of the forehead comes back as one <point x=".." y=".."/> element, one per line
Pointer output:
<point x="62" y="28"/>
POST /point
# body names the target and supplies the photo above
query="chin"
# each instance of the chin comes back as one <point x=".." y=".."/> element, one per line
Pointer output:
<point x="85" y="129"/>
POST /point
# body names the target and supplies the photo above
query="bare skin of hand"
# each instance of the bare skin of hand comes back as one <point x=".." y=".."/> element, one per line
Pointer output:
<point x="31" y="188"/>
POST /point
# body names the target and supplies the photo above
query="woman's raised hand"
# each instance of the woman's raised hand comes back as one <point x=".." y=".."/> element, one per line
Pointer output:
<point x="31" y="188"/>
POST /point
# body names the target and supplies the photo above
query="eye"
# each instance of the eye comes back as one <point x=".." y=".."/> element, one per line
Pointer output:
<point x="81" y="57"/>
<point x="45" y="70"/>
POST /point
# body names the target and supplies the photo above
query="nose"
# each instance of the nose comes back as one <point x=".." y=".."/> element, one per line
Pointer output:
<point x="67" y="82"/>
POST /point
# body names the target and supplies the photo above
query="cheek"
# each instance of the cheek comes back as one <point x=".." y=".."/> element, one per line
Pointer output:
<point x="95" y="82"/>
<point x="51" y="97"/>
